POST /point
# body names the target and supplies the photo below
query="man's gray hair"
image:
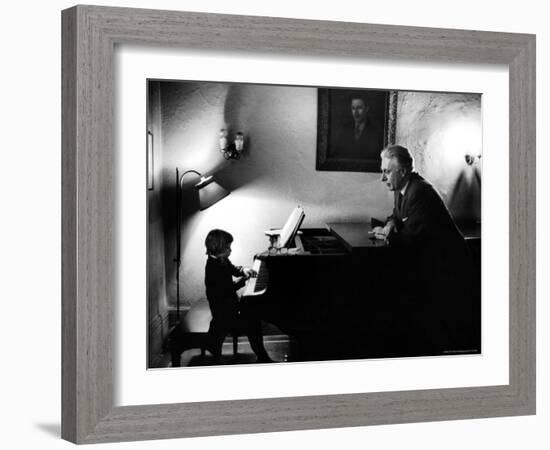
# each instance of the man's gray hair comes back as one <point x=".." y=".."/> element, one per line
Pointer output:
<point x="401" y="155"/>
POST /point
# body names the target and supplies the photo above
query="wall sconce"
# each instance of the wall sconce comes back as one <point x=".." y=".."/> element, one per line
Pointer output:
<point x="472" y="159"/>
<point x="233" y="150"/>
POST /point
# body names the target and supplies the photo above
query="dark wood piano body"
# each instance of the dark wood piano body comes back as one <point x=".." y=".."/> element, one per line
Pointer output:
<point x="303" y="285"/>
<point x="333" y="297"/>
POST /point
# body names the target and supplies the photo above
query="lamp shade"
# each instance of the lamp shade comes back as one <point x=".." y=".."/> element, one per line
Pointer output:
<point x="210" y="192"/>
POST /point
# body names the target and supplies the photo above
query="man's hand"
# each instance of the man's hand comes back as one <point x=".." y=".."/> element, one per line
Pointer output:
<point x="382" y="233"/>
<point x="378" y="233"/>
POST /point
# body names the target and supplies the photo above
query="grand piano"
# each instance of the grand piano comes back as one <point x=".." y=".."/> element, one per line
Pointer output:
<point x="332" y="292"/>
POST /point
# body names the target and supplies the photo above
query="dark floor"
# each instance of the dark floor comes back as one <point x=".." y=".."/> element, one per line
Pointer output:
<point x="324" y="346"/>
<point x="277" y="346"/>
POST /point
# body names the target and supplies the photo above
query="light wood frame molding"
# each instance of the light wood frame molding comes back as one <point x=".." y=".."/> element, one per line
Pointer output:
<point x="89" y="37"/>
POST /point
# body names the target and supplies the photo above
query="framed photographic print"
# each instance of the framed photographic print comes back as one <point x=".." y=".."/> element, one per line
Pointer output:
<point x="311" y="306"/>
<point x="237" y="156"/>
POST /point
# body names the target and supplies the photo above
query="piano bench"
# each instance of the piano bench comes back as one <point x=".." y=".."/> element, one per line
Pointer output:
<point x="193" y="332"/>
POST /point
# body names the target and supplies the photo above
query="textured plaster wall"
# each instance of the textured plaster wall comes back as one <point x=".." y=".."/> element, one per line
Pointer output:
<point x="439" y="130"/>
<point x="277" y="170"/>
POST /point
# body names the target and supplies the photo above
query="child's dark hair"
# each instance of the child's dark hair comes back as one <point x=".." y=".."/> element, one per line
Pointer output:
<point x="217" y="241"/>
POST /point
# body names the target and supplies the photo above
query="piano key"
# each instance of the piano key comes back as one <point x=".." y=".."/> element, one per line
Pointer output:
<point x="257" y="285"/>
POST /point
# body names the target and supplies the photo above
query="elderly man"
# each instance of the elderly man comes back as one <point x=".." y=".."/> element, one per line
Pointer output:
<point x="431" y="255"/>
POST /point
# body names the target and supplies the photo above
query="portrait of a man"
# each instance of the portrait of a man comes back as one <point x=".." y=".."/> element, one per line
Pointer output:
<point x="353" y="126"/>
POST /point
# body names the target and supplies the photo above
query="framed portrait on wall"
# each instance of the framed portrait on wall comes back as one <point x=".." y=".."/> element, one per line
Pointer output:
<point x="353" y="126"/>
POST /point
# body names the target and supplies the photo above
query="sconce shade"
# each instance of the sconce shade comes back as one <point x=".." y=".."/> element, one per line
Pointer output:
<point x="210" y="192"/>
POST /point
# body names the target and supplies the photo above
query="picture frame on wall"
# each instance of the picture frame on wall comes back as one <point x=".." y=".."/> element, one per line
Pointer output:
<point x="90" y="413"/>
<point x="352" y="126"/>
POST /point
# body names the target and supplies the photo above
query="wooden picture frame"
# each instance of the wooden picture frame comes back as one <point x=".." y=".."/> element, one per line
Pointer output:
<point x="334" y="125"/>
<point x="90" y="34"/>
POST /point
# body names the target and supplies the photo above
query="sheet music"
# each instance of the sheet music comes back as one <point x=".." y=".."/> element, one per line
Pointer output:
<point x="291" y="226"/>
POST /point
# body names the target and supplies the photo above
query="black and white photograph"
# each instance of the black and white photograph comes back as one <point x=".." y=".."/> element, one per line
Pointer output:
<point x="257" y="256"/>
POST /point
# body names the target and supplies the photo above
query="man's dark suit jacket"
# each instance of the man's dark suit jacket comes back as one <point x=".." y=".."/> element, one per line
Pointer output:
<point x="433" y="260"/>
<point x="423" y="222"/>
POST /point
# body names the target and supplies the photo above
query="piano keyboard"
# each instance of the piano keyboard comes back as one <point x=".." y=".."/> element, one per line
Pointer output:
<point x="257" y="285"/>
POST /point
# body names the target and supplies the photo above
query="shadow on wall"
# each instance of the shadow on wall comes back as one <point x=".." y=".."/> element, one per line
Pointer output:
<point x="237" y="111"/>
<point x="465" y="197"/>
<point x="440" y="129"/>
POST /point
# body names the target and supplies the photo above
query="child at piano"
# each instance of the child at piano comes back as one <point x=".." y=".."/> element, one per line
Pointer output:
<point x="228" y="316"/>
